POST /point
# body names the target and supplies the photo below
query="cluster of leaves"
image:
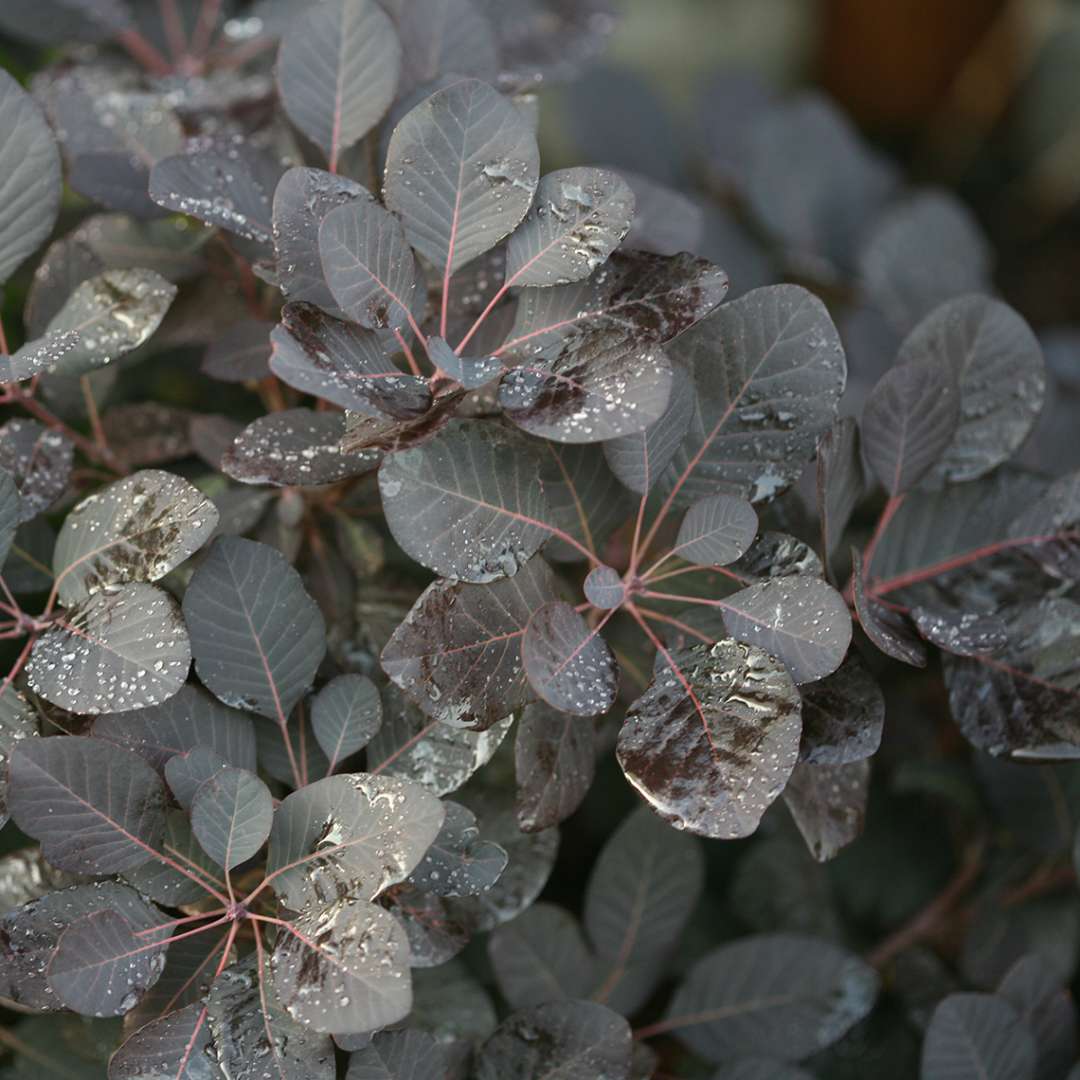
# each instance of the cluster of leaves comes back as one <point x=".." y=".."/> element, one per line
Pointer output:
<point x="518" y="465"/>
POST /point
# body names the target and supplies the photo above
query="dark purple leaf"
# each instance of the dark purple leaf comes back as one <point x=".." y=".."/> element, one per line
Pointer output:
<point x="10" y="511"/>
<point x="337" y="72"/>
<point x="997" y="364"/>
<point x="839" y="480"/>
<point x="604" y="588"/>
<point x="137" y="529"/>
<point x="828" y="803"/>
<point x="364" y="434"/>
<point x="842" y="715"/>
<point x="187" y="772"/>
<point x="437" y="928"/>
<point x="712" y="741"/>
<point x="716" y="531"/>
<point x="241" y="354"/>
<point x="458" y="653"/>
<point x="554" y="762"/>
<point x="649" y="298"/>
<point x="146" y="433"/>
<point x="461" y="172"/>
<point x="667" y="222"/>
<point x="466" y="504"/>
<point x="346" y="714"/>
<point x="177" y="1045"/>
<point x="1054" y="519"/>
<point x="769" y="370"/>
<point x="256" y="635"/>
<point x="579" y="218"/>
<point x="231" y="816"/>
<point x="1023" y="700"/>
<point x="31" y="186"/>
<point x="471" y="372"/>
<point x="459" y="863"/>
<point x="574" y="1040"/>
<point x="778" y="555"/>
<point x="443" y="38"/>
<point x="123" y="648"/>
<point x="400" y="1055"/>
<point x="294" y="448"/>
<point x="17" y="722"/>
<point x="94" y="808"/>
<point x="793" y="994"/>
<point x="368" y="265"/>
<point x="38" y="357"/>
<point x="975" y="1036"/>
<point x="910" y="418"/>
<point x="568" y="664"/>
<point x="274" y="755"/>
<point x="162" y="882"/>
<point x="597" y="387"/>
<point x="40" y="461"/>
<point x="188" y="719"/>
<point x="966" y="633"/>
<point x="889" y="630"/>
<point x="345" y="364"/>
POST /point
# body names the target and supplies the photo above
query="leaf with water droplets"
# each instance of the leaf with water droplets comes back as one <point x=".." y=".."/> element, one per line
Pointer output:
<point x="364" y="434"/>
<point x="711" y="743"/>
<point x="177" y="1045"/>
<point x="977" y="1037"/>
<point x="437" y="755"/>
<point x="828" y="803"/>
<point x="909" y="419"/>
<point x="776" y="555"/>
<point x="294" y="448"/>
<point x="599" y="386"/>
<point x="231" y="816"/>
<point x="965" y="633"/>
<point x="459" y="862"/>
<point x="39" y="459"/>
<point x="17" y="722"/>
<point x="31" y="186"/>
<point x="137" y="529"/>
<point x="346" y="714"/>
<point x="794" y="994"/>
<point x="567" y="663"/>
<point x="574" y="1040"/>
<point x="101" y="966"/>
<point x="1023" y="700"/>
<point x="345" y="364"/>
<point x="399" y="1055"/>
<point x="10" y="509"/>
<point x="648" y="298"/>
<point x="842" y="715"/>
<point x="554" y="762"/>
<point x="642" y="891"/>
<point x="578" y="219"/>
<point x="112" y="314"/>
<point x="466" y="504"/>
<point x="350" y="835"/>
<point x="769" y="370"/>
<point x="257" y="636"/>
<point x="716" y="531"/>
<point x="38" y="357"/>
<point x="337" y="72"/>
<point x="471" y="371"/>
<point x="120" y="649"/>
<point x="188" y="719"/>
<point x="368" y="265"/>
<point x="458" y="654"/>
<point x="997" y="364"/>
<point x="94" y="808"/>
<point x="302" y="200"/>
<point x="461" y="172"/>
<point x="1053" y="523"/>
<point x="889" y="630"/>
<point x="224" y="183"/>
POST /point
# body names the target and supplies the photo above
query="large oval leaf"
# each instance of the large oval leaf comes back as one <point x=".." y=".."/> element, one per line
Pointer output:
<point x="713" y="739"/>
<point x="337" y="72"/>
<point x="30" y="187"/>
<point x="257" y="636"/>
<point x="137" y="529"/>
<point x="231" y="816"/>
<point x="461" y="172"/>
<point x="716" y="531"/>
<point x="554" y="762"/>
<point x="977" y="1037"/>
<point x="94" y="808"/>
<point x="116" y="651"/>
<point x="346" y="714"/>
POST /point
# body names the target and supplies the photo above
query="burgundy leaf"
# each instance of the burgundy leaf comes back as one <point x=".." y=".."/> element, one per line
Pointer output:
<point x="828" y="803"/>
<point x="887" y="629"/>
<point x="604" y="588"/>
<point x="554" y="761"/>
<point x="716" y="531"/>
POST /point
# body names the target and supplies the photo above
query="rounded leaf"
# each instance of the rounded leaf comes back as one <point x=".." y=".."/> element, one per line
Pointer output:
<point x="716" y="531"/>
<point x="231" y="816"/>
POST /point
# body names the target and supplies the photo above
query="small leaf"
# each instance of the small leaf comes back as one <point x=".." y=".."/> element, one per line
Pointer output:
<point x="337" y="72"/>
<point x="459" y="863"/>
<point x="554" y="762"/>
<point x="344" y="364"/>
<point x="256" y="635"/>
<point x="977" y="1037"/>
<point x="466" y="504"/>
<point x="187" y="772"/>
<point x="604" y="588"/>
<point x="40" y="461"/>
<point x="346" y="714"/>
<point x="94" y="808"/>
<point x="574" y="1040"/>
<point x="121" y="649"/>
<point x="909" y="419"/>
<point x="137" y="529"/>
<point x="568" y="664"/>
<point x="793" y="994"/>
<point x="368" y="265"/>
<point x="828" y="803"/>
<point x="579" y="218"/>
<point x="30" y="167"/>
<point x="716" y="531"/>
<point x="711" y="742"/>
<point x="461" y="172"/>
<point x="231" y="816"/>
<point x="457" y="655"/>
<point x="472" y="372"/>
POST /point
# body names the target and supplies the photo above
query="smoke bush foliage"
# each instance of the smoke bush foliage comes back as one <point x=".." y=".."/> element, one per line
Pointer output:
<point x="507" y="492"/>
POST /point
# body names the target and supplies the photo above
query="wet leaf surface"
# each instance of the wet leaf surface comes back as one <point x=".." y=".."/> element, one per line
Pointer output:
<point x="889" y="630"/>
<point x="554" y="762"/>
<point x="177" y="1045"/>
<point x="231" y="815"/>
<point x="711" y="750"/>
<point x="828" y="803"/>
<point x="459" y="862"/>
<point x="40" y="461"/>
<point x="968" y="633"/>
<point x="842" y="714"/>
